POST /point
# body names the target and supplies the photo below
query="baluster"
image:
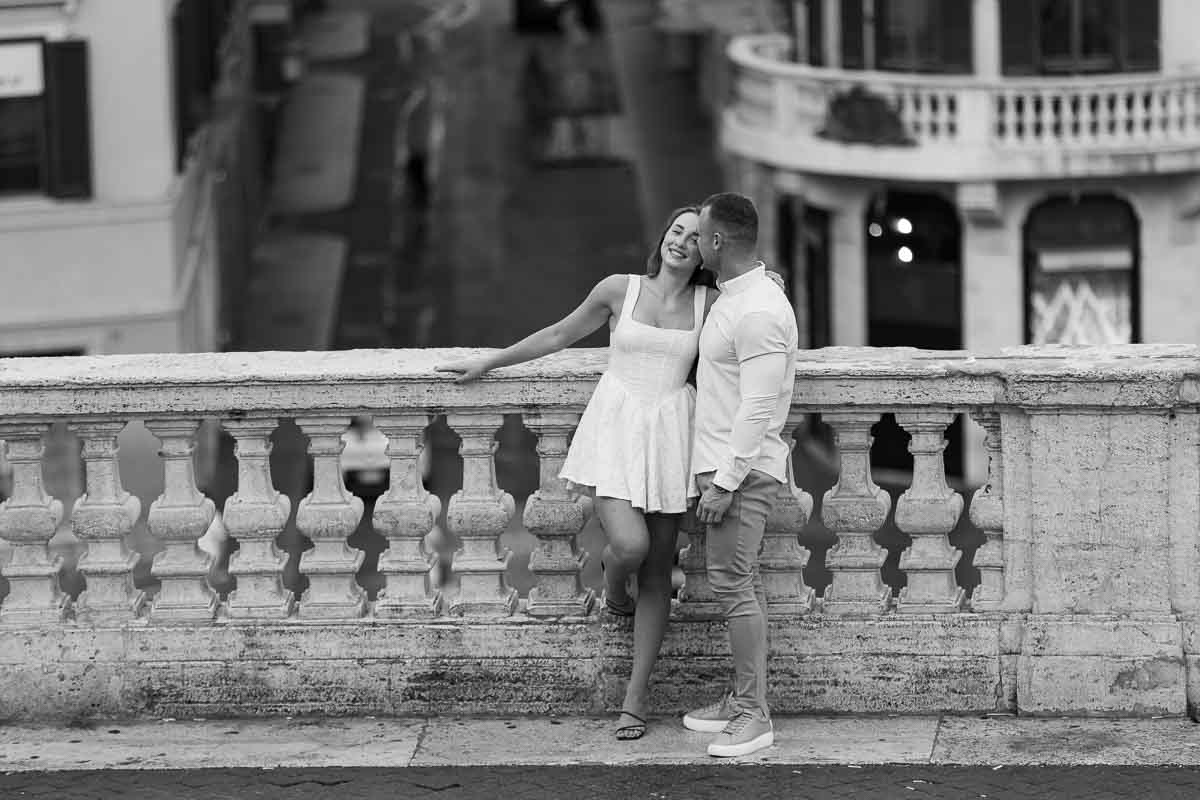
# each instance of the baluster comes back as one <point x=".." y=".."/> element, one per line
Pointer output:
<point x="1178" y="112"/>
<point x="179" y="517"/>
<point x="555" y="515"/>
<point x="987" y="514"/>
<point x="406" y="515"/>
<point x="1081" y="124"/>
<point x="696" y="598"/>
<point x="28" y="520"/>
<point x="782" y="559"/>
<point x="328" y="516"/>
<point x="927" y="512"/>
<point x="1132" y="114"/>
<point x="1046" y="115"/>
<point x="478" y="514"/>
<point x="102" y="518"/>
<point x="854" y="508"/>
<point x="255" y="514"/>
<point x="1003" y="107"/>
<point x="1020" y="117"/>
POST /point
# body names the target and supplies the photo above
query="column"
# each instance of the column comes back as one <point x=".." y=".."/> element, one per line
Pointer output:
<point x="927" y="512"/>
<point x="328" y="516"/>
<point x="985" y="44"/>
<point x="555" y="515"/>
<point x="696" y="599"/>
<point x="987" y="514"/>
<point x="102" y="518"/>
<point x="782" y="559"/>
<point x="854" y="508"/>
<point x="179" y="517"/>
<point x="255" y="515"/>
<point x="28" y="520"/>
<point x="405" y="515"/>
<point x="477" y="515"/>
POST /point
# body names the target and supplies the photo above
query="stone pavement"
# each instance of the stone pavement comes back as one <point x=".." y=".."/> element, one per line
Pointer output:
<point x="532" y="757"/>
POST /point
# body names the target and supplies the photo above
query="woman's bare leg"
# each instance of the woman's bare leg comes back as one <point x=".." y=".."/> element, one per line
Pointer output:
<point x="653" y="609"/>
<point x="628" y="542"/>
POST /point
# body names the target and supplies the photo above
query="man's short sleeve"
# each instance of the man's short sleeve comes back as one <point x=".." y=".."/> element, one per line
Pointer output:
<point x="761" y="332"/>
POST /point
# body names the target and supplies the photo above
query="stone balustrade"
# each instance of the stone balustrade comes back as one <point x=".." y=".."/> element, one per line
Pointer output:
<point x="961" y="128"/>
<point x="1076" y="589"/>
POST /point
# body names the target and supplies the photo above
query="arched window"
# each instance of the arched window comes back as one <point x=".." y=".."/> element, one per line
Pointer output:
<point x="1081" y="272"/>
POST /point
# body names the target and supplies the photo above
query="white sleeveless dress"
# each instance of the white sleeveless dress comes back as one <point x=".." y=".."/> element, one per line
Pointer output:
<point x="634" y="441"/>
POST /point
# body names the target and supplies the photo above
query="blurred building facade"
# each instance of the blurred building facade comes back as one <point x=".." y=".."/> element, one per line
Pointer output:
<point x="130" y="173"/>
<point x="978" y="174"/>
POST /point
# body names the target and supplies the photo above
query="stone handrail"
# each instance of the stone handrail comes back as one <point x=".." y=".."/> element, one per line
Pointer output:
<point x="1089" y="526"/>
<point x="1073" y="122"/>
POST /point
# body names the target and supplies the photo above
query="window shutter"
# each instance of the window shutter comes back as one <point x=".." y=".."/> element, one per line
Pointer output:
<point x="1141" y="22"/>
<point x="852" y="34"/>
<point x="1018" y="37"/>
<point x="816" y="33"/>
<point x="68" y="120"/>
<point x="957" y="36"/>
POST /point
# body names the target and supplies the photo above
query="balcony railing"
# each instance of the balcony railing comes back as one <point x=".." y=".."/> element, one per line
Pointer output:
<point x="1068" y="583"/>
<point x="963" y="128"/>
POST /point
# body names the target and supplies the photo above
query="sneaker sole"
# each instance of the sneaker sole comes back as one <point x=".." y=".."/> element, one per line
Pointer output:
<point x="745" y="748"/>
<point x="701" y="725"/>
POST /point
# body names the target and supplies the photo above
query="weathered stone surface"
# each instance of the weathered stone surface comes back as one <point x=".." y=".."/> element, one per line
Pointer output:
<point x="1088" y="685"/>
<point x="515" y="665"/>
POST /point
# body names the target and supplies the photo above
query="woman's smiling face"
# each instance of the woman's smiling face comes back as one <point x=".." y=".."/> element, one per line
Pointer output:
<point x="679" y="248"/>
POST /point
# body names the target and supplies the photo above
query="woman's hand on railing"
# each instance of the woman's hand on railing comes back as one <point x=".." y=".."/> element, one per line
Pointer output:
<point x="469" y="369"/>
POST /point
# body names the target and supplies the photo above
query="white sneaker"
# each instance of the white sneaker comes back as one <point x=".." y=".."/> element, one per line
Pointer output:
<point x="712" y="718"/>
<point x="745" y="734"/>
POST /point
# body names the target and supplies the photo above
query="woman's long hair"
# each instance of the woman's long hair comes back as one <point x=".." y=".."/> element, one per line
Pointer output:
<point x="700" y="276"/>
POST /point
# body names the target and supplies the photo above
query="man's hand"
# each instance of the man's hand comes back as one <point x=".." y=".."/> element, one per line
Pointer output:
<point x="713" y="504"/>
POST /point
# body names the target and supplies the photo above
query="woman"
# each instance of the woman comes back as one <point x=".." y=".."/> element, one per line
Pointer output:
<point x="633" y="443"/>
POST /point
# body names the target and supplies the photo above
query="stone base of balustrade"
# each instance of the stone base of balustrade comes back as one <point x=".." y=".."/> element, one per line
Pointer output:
<point x="905" y="664"/>
<point x="501" y="666"/>
<point x="1076" y="666"/>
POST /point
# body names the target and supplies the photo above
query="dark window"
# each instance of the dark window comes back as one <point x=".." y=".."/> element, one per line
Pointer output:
<point x="815" y="32"/>
<point x="68" y="120"/>
<point x="923" y="35"/>
<point x="22" y="153"/>
<point x="45" y="138"/>
<point x="853" y="56"/>
<point x="1054" y="37"/>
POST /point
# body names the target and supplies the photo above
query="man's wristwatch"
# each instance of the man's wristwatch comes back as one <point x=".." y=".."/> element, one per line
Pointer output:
<point x="720" y="489"/>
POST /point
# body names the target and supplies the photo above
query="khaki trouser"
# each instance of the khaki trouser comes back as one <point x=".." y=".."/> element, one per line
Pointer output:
<point x="733" y="549"/>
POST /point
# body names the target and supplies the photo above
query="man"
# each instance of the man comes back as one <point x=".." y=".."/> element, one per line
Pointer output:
<point x="744" y="385"/>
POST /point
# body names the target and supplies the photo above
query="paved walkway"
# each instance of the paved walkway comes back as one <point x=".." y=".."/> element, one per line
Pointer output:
<point x="529" y="758"/>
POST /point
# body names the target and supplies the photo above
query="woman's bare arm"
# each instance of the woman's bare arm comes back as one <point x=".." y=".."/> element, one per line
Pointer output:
<point x="591" y="314"/>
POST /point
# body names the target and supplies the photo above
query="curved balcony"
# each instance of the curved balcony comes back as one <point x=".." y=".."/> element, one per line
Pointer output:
<point x="1075" y="567"/>
<point x="959" y="128"/>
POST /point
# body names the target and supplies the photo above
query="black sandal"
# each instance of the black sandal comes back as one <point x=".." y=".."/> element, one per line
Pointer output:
<point x="626" y="610"/>
<point x="627" y="733"/>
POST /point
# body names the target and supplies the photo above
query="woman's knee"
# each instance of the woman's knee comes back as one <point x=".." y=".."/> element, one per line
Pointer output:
<point x="629" y="550"/>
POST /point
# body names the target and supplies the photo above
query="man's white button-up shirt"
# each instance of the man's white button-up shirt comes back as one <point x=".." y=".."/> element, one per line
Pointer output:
<point x="744" y="381"/>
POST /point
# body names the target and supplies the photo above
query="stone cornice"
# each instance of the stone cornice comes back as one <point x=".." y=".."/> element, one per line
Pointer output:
<point x="372" y="381"/>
